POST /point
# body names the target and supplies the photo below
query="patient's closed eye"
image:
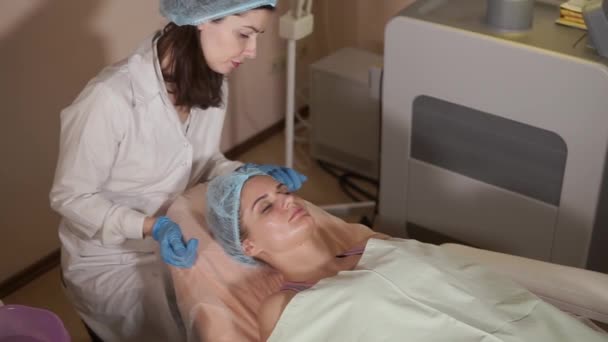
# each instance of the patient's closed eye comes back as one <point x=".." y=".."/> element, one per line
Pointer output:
<point x="267" y="205"/>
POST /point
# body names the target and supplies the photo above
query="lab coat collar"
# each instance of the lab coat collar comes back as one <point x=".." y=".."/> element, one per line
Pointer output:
<point x="145" y="72"/>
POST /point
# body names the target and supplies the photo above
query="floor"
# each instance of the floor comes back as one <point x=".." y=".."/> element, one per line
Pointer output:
<point x="321" y="188"/>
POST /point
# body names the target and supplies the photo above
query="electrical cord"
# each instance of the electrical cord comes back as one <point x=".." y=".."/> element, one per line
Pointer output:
<point x="355" y="192"/>
<point x="345" y="180"/>
<point x="303" y="126"/>
<point x="579" y="40"/>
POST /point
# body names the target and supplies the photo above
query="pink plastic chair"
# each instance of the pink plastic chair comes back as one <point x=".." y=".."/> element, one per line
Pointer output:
<point x="20" y="323"/>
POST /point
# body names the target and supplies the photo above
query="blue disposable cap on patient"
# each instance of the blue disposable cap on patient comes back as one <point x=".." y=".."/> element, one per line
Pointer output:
<point x="195" y="12"/>
<point x="222" y="211"/>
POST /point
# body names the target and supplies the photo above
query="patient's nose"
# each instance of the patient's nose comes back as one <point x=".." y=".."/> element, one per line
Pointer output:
<point x="287" y="200"/>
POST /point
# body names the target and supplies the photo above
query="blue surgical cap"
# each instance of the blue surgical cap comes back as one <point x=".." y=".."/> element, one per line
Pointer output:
<point x="195" y="12"/>
<point x="222" y="212"/>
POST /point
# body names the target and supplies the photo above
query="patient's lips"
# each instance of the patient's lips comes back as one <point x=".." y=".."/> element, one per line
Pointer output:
<point x="297" y="213"/>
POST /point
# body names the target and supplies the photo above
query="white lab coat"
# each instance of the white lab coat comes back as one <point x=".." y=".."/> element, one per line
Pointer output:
<point x="124" y="154"/>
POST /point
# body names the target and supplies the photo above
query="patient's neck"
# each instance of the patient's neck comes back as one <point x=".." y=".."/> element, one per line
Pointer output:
<point x="311" y="261"/>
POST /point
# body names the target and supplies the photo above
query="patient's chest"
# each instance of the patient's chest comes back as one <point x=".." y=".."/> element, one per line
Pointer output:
<point x="402" y="289"/>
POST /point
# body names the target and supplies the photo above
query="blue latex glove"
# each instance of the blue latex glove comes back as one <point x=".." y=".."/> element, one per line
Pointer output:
<point x="173" y="250"/>
<point x="290" y="177"/>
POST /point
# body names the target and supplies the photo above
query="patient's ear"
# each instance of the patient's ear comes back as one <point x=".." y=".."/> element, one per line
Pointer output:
<point x="249" y="248"/>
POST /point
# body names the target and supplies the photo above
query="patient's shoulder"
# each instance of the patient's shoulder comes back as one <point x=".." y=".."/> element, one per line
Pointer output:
<point x="271" y="311"/>
<point x="380" y="236"/>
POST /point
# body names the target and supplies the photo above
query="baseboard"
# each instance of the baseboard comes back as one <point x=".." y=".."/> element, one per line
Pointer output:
<point x="52" y="260"/>
<point x="30" y="273"/>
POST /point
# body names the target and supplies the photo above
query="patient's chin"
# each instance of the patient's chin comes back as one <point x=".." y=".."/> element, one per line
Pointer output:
<point x="303" y="227"/>
<point x="306" y="221"/>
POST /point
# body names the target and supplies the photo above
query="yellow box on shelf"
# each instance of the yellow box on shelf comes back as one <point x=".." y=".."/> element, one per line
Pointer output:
<point x="570" y="23"/>
<point x="571" y="14"/>
<point x="574" y="5"/>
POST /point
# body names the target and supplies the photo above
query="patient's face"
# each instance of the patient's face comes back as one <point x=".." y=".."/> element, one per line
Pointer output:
<point x="274" y="219"/>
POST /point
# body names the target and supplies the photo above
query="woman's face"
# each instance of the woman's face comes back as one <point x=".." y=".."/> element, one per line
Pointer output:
<point x="228" y="42"/>
<point x="274" y="219"/>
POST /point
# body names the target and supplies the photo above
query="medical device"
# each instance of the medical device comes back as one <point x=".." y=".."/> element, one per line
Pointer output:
<point x="496" y="138"/>
<point x="596" y="19"/>
<point x="510" y="15"/>
<point x="296" y="24"/>
<point x="345" y="117"/>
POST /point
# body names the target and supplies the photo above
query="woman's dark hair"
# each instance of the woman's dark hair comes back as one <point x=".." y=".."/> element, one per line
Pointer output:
<point x="191" y="81"/>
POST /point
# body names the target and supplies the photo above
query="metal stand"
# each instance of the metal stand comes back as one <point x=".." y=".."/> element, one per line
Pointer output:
<point x="350" y="209"/>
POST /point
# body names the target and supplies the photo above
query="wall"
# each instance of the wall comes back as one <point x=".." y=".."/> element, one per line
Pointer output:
<point x="344" y="23"/>
<point x="49" y="49"/>
<point x="257" y="88"/>
<point x="355" y="23"/>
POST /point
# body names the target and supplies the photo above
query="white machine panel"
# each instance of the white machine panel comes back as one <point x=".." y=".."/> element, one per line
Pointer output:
<point x="479" y="213"/>
<point x="442" y="50"/>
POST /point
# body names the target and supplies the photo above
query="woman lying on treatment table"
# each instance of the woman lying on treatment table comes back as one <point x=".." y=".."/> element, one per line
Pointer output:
<point x="380" y="289"/>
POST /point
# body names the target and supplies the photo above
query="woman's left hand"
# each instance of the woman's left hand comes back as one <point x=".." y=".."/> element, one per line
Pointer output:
<point x="173" y="250"/>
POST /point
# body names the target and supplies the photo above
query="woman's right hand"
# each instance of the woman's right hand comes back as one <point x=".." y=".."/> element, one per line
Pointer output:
<point x="173" y="250"/>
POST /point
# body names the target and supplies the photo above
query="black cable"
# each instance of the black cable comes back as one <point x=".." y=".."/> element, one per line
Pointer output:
<point x="328" y="168"/>
<point x="579" y="40"/>
<point x="363" y="178"/>
<point x="347" y="191"/>
<point x="331" y="168"/>
<point x="345" y="181"/>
